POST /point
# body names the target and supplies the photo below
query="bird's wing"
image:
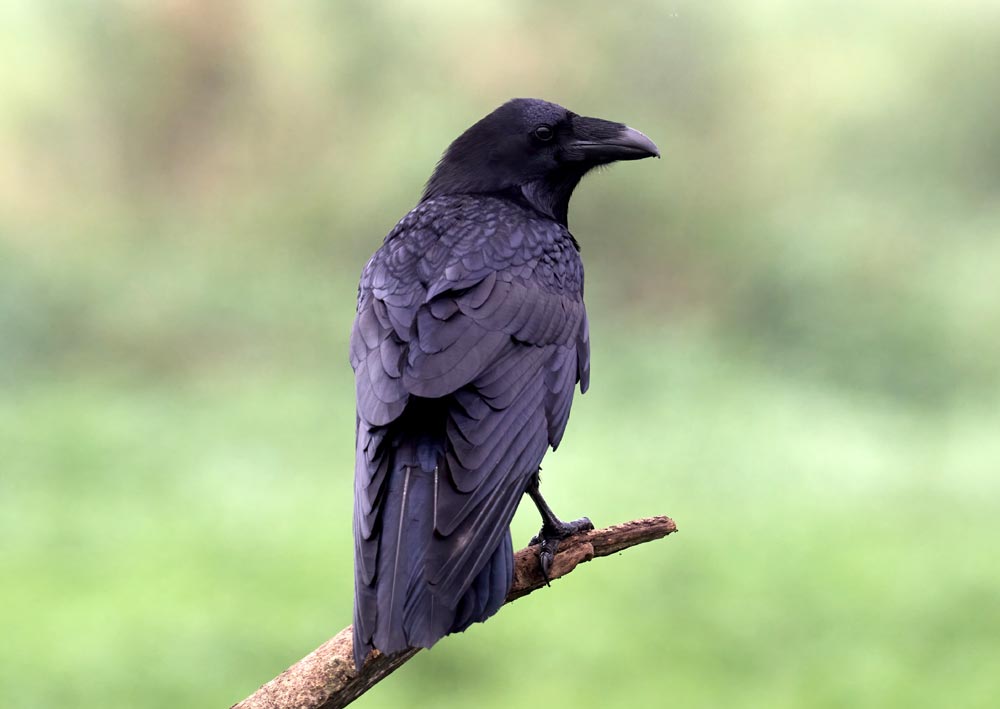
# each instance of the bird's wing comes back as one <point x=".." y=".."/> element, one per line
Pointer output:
<point x="498" y="327"/>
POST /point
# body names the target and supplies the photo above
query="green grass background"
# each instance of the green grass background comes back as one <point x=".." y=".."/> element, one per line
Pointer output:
<point x="795" y="316"/>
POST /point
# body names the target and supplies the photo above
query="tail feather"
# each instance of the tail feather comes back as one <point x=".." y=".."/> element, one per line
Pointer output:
<point x="489" y="589"/>
<point x="398" y="607"/>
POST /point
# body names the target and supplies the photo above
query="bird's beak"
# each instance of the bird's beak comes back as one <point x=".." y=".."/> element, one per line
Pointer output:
<point x="599" y="141"/>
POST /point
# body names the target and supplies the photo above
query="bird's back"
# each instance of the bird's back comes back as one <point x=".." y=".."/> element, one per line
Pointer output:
<point x="470" y="337"/>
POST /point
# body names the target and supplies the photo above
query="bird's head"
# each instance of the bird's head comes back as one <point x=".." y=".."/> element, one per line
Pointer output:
<point x="536" y="151"/>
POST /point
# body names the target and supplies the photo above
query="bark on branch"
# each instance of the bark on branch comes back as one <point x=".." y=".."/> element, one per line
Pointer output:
<point x="326" y="678"/>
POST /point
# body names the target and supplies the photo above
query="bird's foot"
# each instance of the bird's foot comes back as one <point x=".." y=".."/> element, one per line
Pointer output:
<point x="549" y="538"/>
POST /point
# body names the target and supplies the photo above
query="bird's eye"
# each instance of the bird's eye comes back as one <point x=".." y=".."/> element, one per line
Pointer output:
<point x="544" y="132"/>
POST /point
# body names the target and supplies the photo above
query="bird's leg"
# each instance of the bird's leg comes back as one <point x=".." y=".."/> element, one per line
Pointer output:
<point x="553" y="529"/>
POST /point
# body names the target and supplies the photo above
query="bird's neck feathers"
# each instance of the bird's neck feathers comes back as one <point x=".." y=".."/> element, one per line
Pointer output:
<point x="549" y="194"/>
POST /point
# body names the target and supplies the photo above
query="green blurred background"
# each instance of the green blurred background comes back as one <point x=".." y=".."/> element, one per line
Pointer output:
<point x="795" y="317"/>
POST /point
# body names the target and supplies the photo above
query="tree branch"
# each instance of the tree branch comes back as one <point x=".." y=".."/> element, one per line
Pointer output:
<point x="326" y="678"/>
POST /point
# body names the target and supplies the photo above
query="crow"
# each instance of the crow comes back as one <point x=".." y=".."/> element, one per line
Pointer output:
<point x="469" y="341"/>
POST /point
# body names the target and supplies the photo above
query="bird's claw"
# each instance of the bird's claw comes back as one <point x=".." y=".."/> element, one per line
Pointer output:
<point x="548" y="539"/>
<point x="546" y="553"/>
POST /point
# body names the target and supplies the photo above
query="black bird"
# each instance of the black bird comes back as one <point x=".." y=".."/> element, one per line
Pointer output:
<point x="470" y="338"/>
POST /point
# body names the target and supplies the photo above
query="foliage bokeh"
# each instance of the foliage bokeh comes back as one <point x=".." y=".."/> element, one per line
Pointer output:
<point x="795" y="316"/>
